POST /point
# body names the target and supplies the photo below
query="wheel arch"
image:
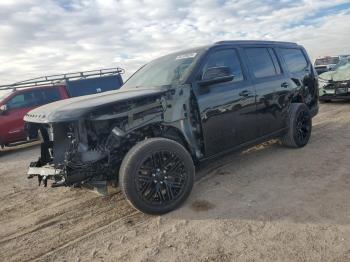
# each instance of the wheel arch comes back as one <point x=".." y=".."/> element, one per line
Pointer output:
<point x="170" y="131"/>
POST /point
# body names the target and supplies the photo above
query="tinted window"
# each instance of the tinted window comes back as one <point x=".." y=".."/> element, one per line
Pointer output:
<point x="294" y="59"/>
<point x="227" y="58"/>
<point x="275" y="61"/>
<point x="50" y="95"/>
<point x="90" y="86"/>
<point x="261" y="62"/>
<point x="24" y="100"/>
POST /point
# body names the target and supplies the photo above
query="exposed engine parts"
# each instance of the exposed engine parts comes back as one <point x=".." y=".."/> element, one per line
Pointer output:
<point x="91" y="149"/>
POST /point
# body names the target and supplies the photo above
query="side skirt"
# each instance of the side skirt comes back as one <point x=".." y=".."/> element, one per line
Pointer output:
<point x="246" y="145"/>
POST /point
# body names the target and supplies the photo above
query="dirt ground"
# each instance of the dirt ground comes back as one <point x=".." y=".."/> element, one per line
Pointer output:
<point x="268" y="203"/>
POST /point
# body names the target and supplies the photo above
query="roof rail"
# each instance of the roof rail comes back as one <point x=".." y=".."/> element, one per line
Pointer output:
<point x="253" y="42"/>
<point x="55" y="79"/>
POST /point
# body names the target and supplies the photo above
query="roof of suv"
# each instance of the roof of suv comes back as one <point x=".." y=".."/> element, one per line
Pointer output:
<point x="235" y="42"/>
<point x="254" y="42"/>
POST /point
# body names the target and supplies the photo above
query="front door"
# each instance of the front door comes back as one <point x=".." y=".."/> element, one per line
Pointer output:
<point x="227" y="109"/>
<point x="12" y="124"/>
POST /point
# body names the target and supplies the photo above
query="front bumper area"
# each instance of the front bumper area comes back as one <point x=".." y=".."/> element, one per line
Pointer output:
<point x="46" y="173"/>
<point x="330" y="97"/>
<point x="334" y="90"/>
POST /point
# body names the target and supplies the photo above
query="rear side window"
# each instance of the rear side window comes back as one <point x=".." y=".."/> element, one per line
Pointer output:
<point x="96" y="85"/>
<point x="50" y="95"/>
<point x="227" y="58"/>
<point x="294" y="59"/>
<point x="261" y="61"/>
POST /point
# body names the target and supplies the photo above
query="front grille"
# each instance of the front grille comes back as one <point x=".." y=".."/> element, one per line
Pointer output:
<point x="336" y="85"/>
<point x="35" y="116"/>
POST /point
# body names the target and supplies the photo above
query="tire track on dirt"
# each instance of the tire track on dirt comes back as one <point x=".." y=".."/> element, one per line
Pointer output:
<point x="76" y="226"/>
<point x="70" y="222"/>
<point x="122" y="220"/>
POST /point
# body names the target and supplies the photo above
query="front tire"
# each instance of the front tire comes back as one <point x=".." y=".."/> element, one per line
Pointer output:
<point x="156" y="175"/>
<point x="300" y="126"/>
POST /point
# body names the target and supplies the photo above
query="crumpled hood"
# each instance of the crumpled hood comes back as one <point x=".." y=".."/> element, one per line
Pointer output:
<point x="74" y="108"/>
<point x="342" y="73"/>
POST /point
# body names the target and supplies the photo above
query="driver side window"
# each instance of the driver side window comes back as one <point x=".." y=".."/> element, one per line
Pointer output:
<point x="228" y="58"/>
<point x="23" y="100"/>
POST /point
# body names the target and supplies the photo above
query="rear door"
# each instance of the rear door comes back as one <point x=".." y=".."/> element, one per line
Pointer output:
<point x="227" y="109"/>
<point x="272" y="89"/>
<point x="300" y="74"/>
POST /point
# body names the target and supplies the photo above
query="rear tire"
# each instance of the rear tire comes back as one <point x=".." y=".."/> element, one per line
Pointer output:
<point x="156" y="175"/>
<point x="300" y="126"/>
<point x="325" y="101"/>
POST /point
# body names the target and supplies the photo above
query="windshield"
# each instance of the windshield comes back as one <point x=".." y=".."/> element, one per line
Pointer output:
<point x="4" y="93"/>
<point x="166" y="70"/>
<point x="327" y="61"/>
<point x="340" y="73"/>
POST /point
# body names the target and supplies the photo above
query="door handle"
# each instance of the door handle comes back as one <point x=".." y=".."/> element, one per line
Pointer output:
<point x="245" y="93"/>
<point x="284" y="85"/>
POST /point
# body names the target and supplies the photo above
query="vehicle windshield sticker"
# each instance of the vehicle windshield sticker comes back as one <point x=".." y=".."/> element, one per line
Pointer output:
<point x="184" y="56"/>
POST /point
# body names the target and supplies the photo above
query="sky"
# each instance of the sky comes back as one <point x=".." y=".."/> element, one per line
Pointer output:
<point x="42" y="37"/>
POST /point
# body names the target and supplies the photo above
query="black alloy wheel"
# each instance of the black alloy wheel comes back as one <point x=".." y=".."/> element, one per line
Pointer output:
<point x="156" y="175"/>
<point x="303" y="127"/>
<point x="299" y="127"/>
<point x="161" y="178"/>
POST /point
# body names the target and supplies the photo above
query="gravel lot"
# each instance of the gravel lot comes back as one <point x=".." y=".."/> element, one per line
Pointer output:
<point x="268" y="203"/>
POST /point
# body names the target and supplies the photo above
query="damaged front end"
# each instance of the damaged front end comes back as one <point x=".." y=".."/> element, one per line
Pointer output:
<point x="335" y="84"/>
<point x="89" y="148"/>
<point x="71" y="156"/>
<point x="335" y="89"/>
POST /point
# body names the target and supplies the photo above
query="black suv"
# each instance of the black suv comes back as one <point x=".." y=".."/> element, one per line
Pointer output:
<point x="172" y="114"/>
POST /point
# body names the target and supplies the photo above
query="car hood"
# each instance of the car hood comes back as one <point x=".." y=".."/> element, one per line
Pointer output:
<point x="74" y="108"/>
<point x="342" y="73"/>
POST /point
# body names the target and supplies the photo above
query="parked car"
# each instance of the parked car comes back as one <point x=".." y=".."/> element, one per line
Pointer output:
<point x="334" y="85"/>
<point x="18" y="99"/>
<point x="174" y="113"/>
<point x="327" y="63"/>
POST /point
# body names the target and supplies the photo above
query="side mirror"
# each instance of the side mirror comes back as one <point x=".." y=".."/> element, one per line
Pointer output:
<point x="3" y="109"/>
<point x="215" y="75"/>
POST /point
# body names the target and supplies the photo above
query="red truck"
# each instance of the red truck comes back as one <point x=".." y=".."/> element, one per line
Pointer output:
<point x="18" y="99"/>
